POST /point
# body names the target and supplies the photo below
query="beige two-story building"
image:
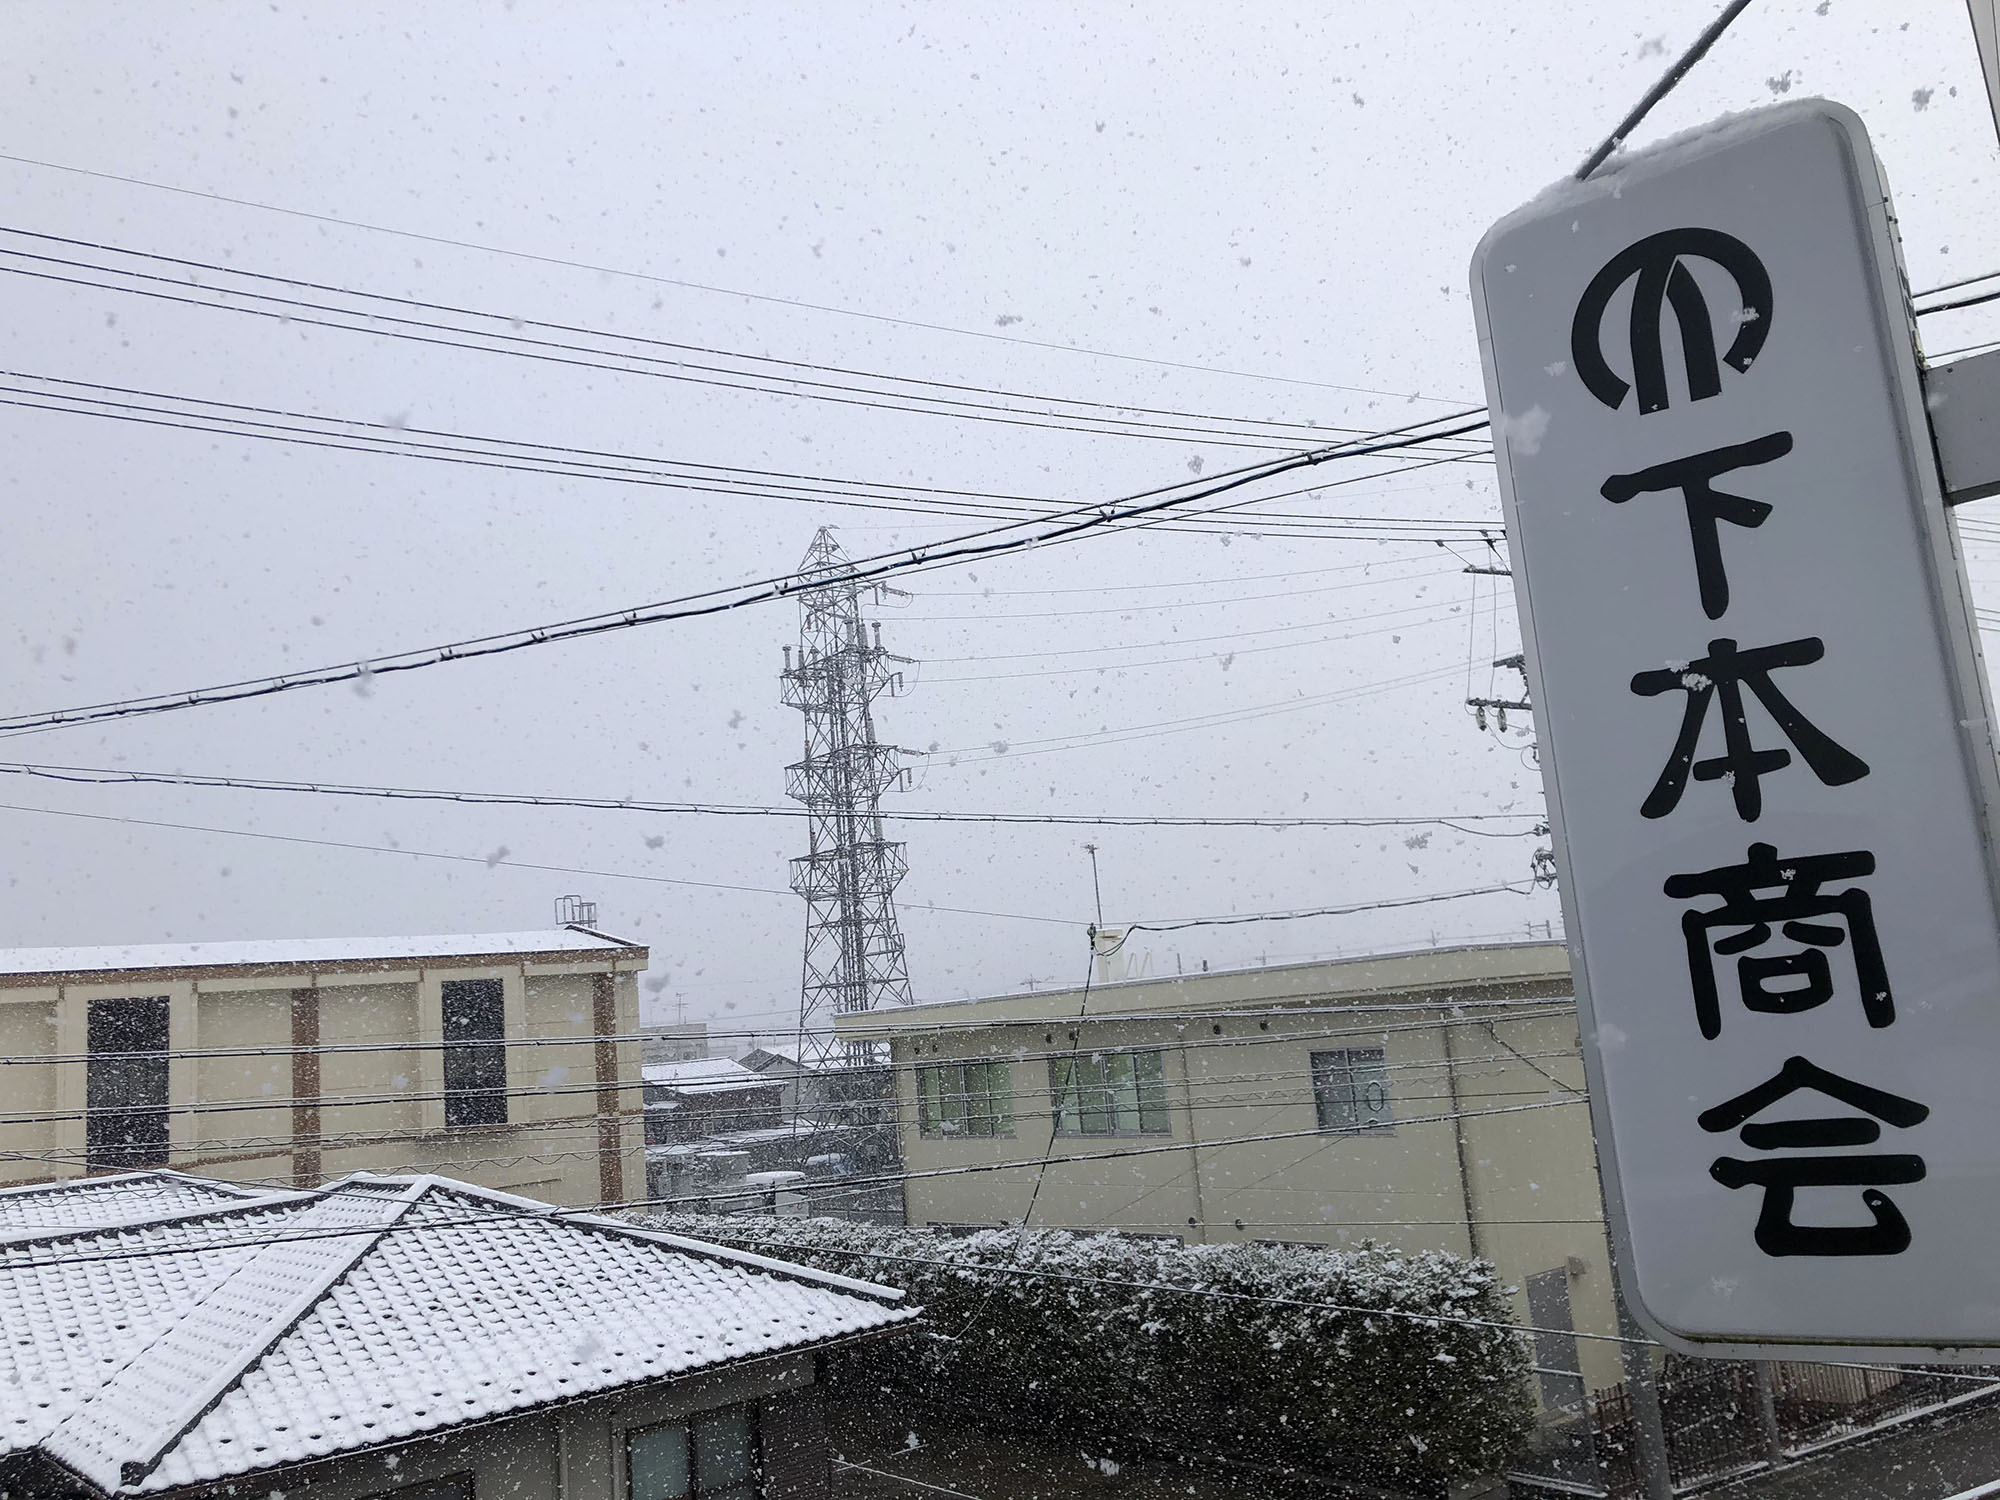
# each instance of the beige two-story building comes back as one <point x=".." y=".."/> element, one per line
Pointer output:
<point x="1433" y="1100"/>
<point x="510" y="1060"/>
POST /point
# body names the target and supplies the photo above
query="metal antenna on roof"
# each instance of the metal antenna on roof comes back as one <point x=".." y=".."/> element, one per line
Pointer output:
<point x="1095" y="889"/>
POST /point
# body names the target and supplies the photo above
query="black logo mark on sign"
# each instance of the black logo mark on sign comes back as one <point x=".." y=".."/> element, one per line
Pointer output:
<point x="1656" y="262"/>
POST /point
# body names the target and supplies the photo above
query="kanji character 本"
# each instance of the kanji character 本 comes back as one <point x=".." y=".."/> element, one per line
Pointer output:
<point x="1797" y="901"/>
<point x="1705" y="505"/>
<point x="1782" y="1176"/>
<point x="1725" y="672"/>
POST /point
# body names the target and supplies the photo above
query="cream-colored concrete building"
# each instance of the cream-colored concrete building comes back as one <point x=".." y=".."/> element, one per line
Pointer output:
<point x="509" y="1060"/>
<point x="1433" y="1100"/>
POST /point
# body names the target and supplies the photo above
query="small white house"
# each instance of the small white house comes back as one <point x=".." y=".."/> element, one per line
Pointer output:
<point x="407" y="1337"/>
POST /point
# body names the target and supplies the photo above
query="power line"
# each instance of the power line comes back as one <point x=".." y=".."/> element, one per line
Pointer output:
<point x="1122" y="413"/>
<point x="1178" y="583"/>
<point x="1425" y="615"/>
<point x="501" y="861"/>
<point x="346" y="435"/>
<point x="1267" y="1098"/>
<point x="494" y="863"/>
<point x="985" y="543"/>
<point x="568" y="460"/>
<point x="14" y="1254"/>
<point x="1321" y="911"/>
<point x="299" y="311"/>
<point x="109" y="776"/>
<point x="903" y="1479"/>
<point x="1952" y="286"/>
<point x="1664" y="87"/>
<point x="1973" y="301"/>
<point x="602" y="270"/>
<point x="1055" y="744"/>
<point x="986" y="617"/>
<point x="1530" y="1010"/>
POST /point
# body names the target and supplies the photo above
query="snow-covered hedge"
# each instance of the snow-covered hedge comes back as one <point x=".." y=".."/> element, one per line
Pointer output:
<point x="1104" y="1343"/>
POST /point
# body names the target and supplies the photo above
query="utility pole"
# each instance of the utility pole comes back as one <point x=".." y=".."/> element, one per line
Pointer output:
<point x="1095" y="889"/>
<point x="854" y="955"/>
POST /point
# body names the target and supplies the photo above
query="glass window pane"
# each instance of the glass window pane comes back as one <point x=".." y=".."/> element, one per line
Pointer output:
<point x="724" y="1449"/>
<point x="1000" y="1084"/>
<point x="125" y="1087"/>
<point x="1062" y="1090"/>
<point x="979" y="1099"/>
<point x="1369" y="1068"/>
<point x="1094" y="1103"/>
<point x="929" y="1121"/>
<point x="951" y="1100"/>
<point x="1351" y="1089"/>
<point x="475" y="1055"/>
<point x="1122" y="1093"/>
<point x="659" y="1462"/>
<point x="1152" y="1075"/>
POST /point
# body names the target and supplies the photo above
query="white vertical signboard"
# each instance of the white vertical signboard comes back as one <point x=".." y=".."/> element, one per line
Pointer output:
<point x="1765" y="739"/>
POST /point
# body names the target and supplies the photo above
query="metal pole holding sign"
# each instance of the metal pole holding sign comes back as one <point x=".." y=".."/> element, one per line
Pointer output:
<point x="1765" y="738"/>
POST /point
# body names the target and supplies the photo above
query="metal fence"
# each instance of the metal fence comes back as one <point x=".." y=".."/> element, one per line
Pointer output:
<point x="1717" y="1424"/>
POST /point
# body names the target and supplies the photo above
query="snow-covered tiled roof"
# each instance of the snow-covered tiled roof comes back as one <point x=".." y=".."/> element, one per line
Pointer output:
<point x="44" y="1210"/>
<point x="259" y="1329"/>
<point x="279" y="952"/>
<point x="705" y="1075"/>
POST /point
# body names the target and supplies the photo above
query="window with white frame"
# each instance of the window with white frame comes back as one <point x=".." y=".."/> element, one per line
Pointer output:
<point x="1351" y="1090"/>
<point x="965" y="1099"/>
<point x="1110" y="1093"/>
<point x="712" y="1456"/>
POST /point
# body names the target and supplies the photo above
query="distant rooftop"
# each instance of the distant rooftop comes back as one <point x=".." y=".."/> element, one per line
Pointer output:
<point x="272" y="953"/>
<point x="705" y="1075"/>
<point x="1425" y="974"/>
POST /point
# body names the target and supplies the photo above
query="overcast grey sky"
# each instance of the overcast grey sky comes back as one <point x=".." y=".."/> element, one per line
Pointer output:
<point x="1264" y="213"/>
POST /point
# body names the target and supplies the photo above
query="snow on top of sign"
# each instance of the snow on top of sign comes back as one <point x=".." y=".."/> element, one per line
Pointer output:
<point x="181" y="1352"/>
<point x="1629" y="167"/>
<point x="277" y="952"/>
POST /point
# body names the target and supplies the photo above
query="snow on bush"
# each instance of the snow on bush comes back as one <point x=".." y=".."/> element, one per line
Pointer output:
<point x="1349" y="1361"/>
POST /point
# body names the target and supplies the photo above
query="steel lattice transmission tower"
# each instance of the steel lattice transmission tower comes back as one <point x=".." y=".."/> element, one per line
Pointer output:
<point x="854" y="958"/>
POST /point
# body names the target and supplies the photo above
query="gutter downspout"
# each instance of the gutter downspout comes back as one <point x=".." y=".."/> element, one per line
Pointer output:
<point x="1200" y="1224"/>
<point x="1458" y="1138"/>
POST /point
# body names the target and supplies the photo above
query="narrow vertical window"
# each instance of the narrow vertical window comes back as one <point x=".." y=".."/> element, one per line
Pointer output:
<point x="475" y="1052"/>
<point x="125" y="1088"/>
<point x="1351" y="1090"/>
